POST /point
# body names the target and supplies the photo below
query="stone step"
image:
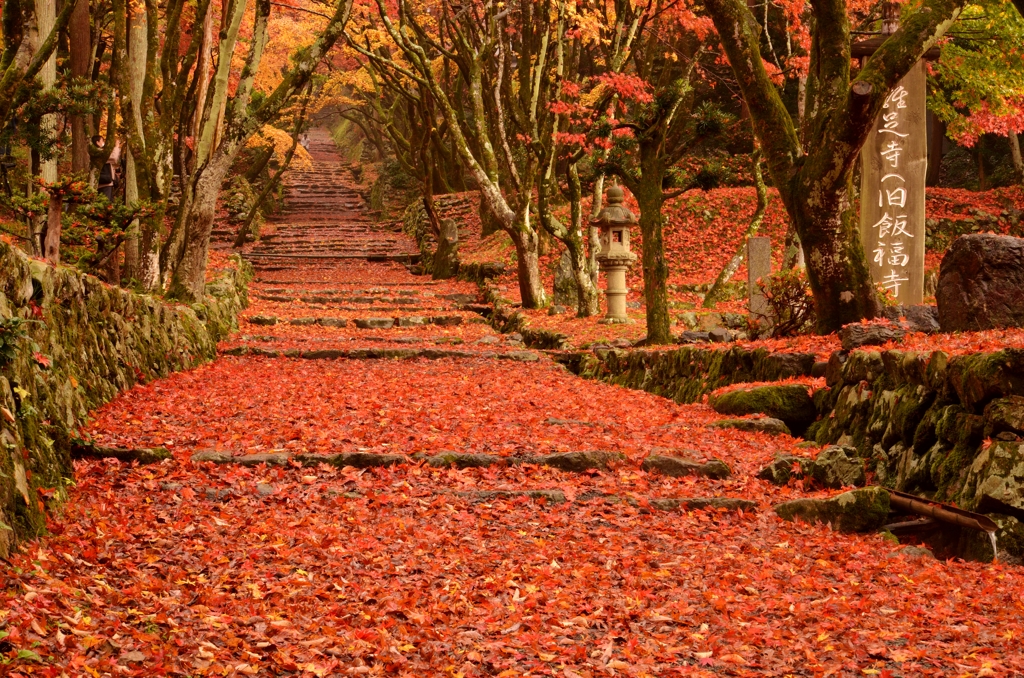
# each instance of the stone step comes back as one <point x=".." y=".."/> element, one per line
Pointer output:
<point x="407" y="257"/>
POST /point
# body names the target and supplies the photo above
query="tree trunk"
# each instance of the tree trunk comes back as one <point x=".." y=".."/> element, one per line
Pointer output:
<point x="531" y="286"/>
<point x="35" y="225"/>
<point x="138" y="247"/>
<point x="589" y="303"/>
<point x="982" y="170"/>
<point x="203" y="73"/>
<point x="936" y="137"/>
<point x="793" y="252"/>
<point x="46" y="14"/>
<point x="51" y="244"/>
<point x="259" y="164"/>
<point x="189" y="280"/>
<point x="1018" y="162"/>
<point x="81" y="58"/>
<point x="650" y="198"/>
<point x="829" y="231"/>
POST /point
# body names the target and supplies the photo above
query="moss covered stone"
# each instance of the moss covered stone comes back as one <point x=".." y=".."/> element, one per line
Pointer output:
<point x="835" y="467"/>
<point x="861" y="510"/>
<point x="672" y="465"/>
<point x="773" y="427"/>
<point x="995" y="481"/>
<point x="789" y="402"/>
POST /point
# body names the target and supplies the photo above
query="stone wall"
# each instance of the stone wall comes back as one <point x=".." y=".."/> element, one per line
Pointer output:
<point x="72" y="343"/>
<point x="945" y="427"/>
<point x="686" y="374"/>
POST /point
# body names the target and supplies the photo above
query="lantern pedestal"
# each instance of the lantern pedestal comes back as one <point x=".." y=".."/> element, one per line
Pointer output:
<point x="614" y="269"/>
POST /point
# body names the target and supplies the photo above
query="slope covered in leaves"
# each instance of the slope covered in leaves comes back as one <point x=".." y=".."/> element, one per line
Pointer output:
<point x="702" y="231"/>
<point x="179" y="569"/>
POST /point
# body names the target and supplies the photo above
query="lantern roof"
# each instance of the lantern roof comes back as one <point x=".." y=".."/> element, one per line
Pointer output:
<point x="614" y="212"/>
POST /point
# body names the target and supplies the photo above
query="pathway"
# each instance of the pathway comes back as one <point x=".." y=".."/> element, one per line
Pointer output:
<point x="441" y="511"/>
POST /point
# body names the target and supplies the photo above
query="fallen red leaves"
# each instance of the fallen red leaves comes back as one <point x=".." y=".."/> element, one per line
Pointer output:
<point x="177" y="570"/>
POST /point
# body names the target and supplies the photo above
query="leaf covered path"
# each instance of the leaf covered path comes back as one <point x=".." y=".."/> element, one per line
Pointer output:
<point x="189" y="569"/>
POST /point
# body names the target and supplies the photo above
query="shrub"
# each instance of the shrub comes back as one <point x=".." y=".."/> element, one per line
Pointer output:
<point x="790" y="304"/>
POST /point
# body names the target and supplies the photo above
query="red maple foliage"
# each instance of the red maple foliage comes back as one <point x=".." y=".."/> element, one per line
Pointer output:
<point x="179" y="569"/>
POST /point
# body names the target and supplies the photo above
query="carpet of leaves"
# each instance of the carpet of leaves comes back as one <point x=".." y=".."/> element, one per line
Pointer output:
<point x="174" y="569"/>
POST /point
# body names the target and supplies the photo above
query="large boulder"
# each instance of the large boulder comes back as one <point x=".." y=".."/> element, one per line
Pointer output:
<point x="835" y="467"/>
<point x="995" y="481"/>
<point x="981" y="283"/>
<point x="861" y="510"/>
<point x="789" y="402"/>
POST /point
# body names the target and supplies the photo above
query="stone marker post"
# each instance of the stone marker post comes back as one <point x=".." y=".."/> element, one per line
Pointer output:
<point x="894" y="165"/>
<point x="759" y="265"/>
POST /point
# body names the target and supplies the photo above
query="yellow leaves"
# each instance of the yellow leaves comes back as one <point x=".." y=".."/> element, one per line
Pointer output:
<point x="281" y="142"/>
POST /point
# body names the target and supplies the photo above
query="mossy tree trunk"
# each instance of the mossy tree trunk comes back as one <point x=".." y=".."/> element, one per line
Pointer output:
<point x="816" y="181"/>
<point x="651" y="198"/>
<point x="213" y="160"/>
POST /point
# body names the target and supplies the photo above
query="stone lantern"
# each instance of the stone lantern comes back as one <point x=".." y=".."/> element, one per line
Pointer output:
<point x="614" y="221"/>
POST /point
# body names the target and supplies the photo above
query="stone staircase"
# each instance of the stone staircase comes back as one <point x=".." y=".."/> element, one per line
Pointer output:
<point x="330" y="278"/>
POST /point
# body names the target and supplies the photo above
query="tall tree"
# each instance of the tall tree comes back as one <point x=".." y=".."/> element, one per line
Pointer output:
<point x="503" y="88"/>
<point x="216" y="150"/>
<point x="815" y="178"/>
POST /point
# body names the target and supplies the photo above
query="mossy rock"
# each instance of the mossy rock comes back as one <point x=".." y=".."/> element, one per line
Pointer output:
<point x="980" y="377"/>
<point x="995" y="481"/>
<point x="769" y="425"/>
<point x="576" y="462"/>
<point x="676" y="467"/>
<point x="791" y="403"/>
<point x="1004" y="415"/>
<point x="835" y="467"/>
<point x="861" y="510"/>
<point x="783" y="469"/>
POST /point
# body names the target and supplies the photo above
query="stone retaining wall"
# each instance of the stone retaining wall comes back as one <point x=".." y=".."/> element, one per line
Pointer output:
<point x="945" y="427"/>
<point x="74" y="343"/>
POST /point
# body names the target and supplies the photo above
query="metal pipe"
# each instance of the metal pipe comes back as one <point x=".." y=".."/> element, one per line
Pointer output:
<point x="943" y="512"/>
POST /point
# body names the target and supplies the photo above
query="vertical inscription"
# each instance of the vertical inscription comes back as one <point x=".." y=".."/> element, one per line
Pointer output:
<point x="894" y="162"/>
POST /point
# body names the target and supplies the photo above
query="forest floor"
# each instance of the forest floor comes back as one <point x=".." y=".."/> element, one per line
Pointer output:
<point x="193" y="568"/>
<point x="702" y="231"/>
